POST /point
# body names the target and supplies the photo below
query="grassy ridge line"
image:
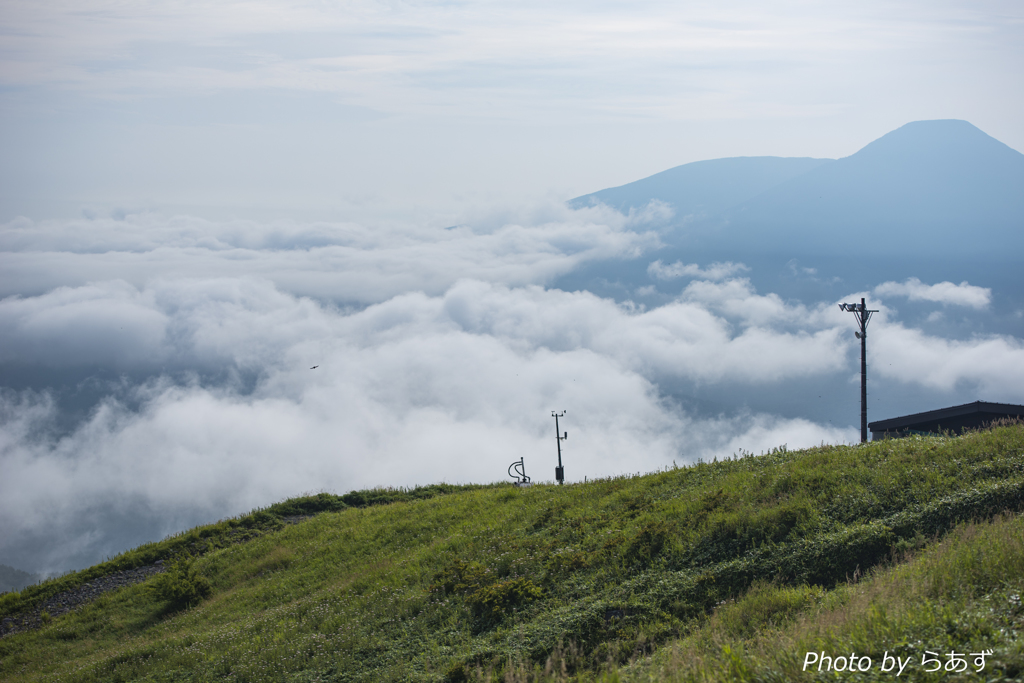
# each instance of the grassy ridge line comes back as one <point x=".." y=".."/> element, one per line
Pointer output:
<point x="427" y="590"/>
<point x="208" y="537"/>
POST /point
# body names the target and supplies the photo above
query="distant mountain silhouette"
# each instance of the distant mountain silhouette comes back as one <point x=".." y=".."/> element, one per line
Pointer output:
<point x="930" y="186"/>
<point x="12" y="579"/>
<point x="927" y="188"/>
<point x="703" y="188"/>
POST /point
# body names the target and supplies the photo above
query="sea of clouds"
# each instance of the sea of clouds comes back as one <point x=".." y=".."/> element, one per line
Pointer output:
<point x="438" y="352"/>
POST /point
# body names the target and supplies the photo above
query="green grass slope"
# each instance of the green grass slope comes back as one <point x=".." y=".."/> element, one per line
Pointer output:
<point x="961" y="595"/>
<point x="723" y="571"/>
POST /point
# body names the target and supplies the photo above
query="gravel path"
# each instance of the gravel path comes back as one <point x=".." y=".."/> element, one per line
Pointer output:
<point x="68" y="600"/>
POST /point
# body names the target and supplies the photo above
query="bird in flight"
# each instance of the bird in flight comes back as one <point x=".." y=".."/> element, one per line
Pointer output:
<point x="314" y="367"/>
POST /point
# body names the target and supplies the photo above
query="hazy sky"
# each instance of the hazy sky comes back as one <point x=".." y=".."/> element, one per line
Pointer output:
<point x="421" y="109"/>
<point x="201" y="201"/>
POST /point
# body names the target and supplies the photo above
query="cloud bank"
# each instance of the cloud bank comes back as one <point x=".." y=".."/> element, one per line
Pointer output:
<point x="945" y="293"/>
<point x="413" y="390"/>
<point x="716" y="271"/>
<point x="342" y="262"/>
<point x="439" y="354"/>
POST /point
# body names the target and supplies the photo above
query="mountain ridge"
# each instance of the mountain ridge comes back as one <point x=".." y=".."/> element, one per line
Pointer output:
<point x="709" y="186"/>
<point x="923" y="187"/>
<point x="925" y="181"/>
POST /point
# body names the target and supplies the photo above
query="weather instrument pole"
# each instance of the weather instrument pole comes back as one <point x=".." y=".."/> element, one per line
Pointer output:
<point x="863" y="315"/>
<point x="559" y="438"/>
<point x="520" y="473"/>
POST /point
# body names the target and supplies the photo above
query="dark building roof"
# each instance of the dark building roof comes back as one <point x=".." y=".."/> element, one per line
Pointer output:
<point x="955" y="419"/>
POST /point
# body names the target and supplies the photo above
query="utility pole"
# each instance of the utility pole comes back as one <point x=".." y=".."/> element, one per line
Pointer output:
<point x="863" y="315"/>
<point x="559" y="438"/>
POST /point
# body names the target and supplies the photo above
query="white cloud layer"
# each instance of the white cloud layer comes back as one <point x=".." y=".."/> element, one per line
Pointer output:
<point x="993" y="365"/>
<point x="439" y="354"/>
<point x="946" y="293"/>
<point x="716" y="271"/>
<point x="343" y="262"/>
<point x="412" y="390"/>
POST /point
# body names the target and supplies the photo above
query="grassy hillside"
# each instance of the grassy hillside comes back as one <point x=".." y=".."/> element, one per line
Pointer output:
<point x="961" y="594"/>
<point x="723" y="571"/>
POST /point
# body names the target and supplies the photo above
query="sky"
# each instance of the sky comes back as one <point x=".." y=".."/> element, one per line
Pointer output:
<point x="422" y="110"/>
<point x="200" y="202"/>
